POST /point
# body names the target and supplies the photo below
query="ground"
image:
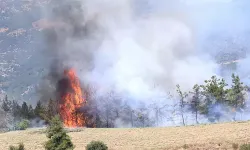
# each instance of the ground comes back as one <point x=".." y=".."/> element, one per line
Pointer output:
<point x="209" y="137"/>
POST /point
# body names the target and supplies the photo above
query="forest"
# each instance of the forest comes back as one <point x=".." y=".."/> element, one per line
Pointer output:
<point x="213" y="100"/>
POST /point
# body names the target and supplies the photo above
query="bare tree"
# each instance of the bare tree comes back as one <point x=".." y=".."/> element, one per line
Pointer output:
<point x="196" y="101"/>
<point x="111" y="107"/>
<point x="158" y="111"/>
<point x="128" y="111"/>
<point x="172" y="111"/>
<point x="90" y="108"/>
<point x="182" y="102"/>
<point x="142" y="114"/>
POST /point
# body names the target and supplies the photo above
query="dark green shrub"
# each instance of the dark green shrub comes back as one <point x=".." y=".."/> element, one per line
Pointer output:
<point x="23" y="125"/>
<point x="19" y="147"/>
<point x="96" y="145"/>
<point x="58" y="139"/>
<point x="245" y="147"/>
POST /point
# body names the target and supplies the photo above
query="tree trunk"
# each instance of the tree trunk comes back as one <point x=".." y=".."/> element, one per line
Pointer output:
<point x="131" y="118"/>
<point x="196" y="116"/>
<point x="182" y="116"/>
<point x="157" y="117"/>
<point x="107" y="116"/>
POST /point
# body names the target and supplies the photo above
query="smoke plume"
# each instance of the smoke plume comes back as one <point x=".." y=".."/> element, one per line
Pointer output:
<point x="141" y="49"/>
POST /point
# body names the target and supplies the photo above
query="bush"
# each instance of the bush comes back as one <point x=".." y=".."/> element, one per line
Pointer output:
<point x="235" y="146"/>
<point x="185" y="146"/>
<point x="58" y="139"/>
<point x="245" y="147"/>
<point x="96" y="145"/>
<point x="23" y="125"/>
<point x="19" y="147"/>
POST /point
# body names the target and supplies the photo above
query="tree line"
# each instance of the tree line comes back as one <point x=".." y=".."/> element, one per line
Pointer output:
<point x="27" y="112"/>
<point x="215" y="92"/>
<point x="107" y="111"/>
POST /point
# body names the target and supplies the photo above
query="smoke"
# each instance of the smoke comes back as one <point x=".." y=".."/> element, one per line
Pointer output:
<point x="127" y="52"/>
<point x="141" y="49"/>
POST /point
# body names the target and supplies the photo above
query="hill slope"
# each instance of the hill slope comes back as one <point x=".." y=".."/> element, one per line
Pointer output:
<point x="215" y="136"/>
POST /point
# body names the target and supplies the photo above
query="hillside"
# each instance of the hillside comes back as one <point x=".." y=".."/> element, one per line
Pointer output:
<point x="215" y="136"/>
<point x="21" y="43"/>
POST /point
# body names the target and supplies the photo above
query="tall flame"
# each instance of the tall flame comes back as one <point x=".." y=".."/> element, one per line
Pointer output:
<point x="72" y="101"/>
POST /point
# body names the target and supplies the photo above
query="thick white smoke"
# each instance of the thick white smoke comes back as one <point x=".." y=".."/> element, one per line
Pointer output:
<point x="142" y="49"/>
<point x="144" y="55"/>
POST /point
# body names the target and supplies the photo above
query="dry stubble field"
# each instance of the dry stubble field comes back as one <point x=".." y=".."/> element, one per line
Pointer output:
<point x="215" y="136"/>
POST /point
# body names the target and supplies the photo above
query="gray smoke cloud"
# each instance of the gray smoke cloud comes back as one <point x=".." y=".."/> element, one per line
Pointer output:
<point x="143" y="49"/>
<point x="136" y="55"/>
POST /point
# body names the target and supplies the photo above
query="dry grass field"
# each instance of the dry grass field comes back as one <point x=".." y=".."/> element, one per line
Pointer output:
<point x="210" y="137"/>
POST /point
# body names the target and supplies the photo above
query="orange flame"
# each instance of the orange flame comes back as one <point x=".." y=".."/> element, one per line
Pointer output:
<point x="71" y="102"/>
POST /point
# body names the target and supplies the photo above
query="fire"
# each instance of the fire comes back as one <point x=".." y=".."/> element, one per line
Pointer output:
<point x="71" y="101"/>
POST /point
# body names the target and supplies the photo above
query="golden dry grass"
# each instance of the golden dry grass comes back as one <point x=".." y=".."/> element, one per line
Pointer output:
<point x="216" y="136"/>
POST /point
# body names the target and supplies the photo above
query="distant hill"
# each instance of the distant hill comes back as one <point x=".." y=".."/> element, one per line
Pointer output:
<point x="22" y="64"/>
<point x="20" y="44"/>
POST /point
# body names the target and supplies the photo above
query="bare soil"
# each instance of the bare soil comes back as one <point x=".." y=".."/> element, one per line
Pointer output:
<point x="209" y="137"/>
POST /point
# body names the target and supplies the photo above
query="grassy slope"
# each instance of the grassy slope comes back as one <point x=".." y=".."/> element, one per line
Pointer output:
<point x="216" y="136"/>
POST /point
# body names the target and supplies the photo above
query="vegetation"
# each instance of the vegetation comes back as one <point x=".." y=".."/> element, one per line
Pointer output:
<point x="182" y="103"/>
<point x="23" y="125"/>
<point x="245" y="147"/>
<point x="195" y="103"/>
<point x="213" y="94"/>
<point x="96" y="145"/>
<point x="185" y="146"/>
<point x="22" y="114"/>
<point x="6" y="105"/>
<point x="235" y="146"/>
<point x="51" y="109"/>
<point x="19" y="147"/>
<point x="212" y="99"/>
<point x="58" y="139"/>
<point x="19" y="112"/>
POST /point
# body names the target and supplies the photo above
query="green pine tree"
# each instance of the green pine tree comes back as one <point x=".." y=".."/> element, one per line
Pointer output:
<point x="237" y="94"/>
<point x="6" y="105"/>
<point x="31" y="113"/>
<point x="58" y="139"/>
<point x="16" y="110"/>
<point x="51" y="109"/>
<point x="215" y="89"/>
<point x="214" y="92"/>
<point x="38" y="109"/>
<point x="25" y="110"/>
